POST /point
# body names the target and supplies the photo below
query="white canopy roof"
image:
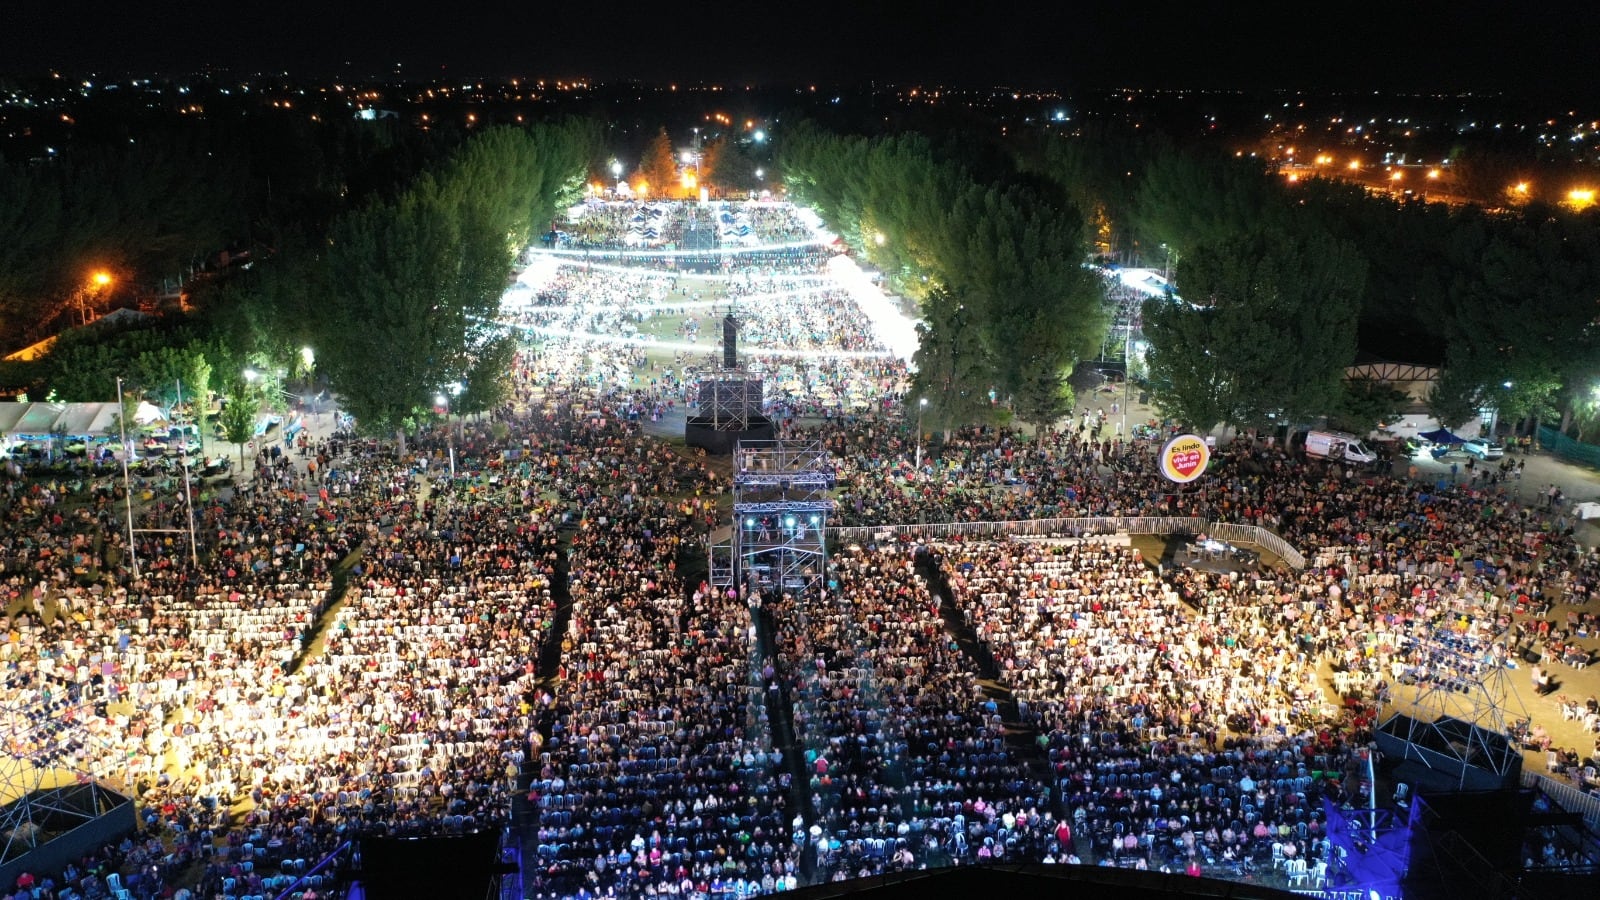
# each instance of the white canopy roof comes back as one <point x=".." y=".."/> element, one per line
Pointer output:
<point x="41" y="419"/>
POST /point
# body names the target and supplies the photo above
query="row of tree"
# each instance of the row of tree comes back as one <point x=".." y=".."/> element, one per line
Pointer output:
<point x="394" y="300"/>
<point x="157" y="202"/>
<point x="393" y="278"/>
<point x="995" y="259"/>
<point x="400" y="300"/>
<point x="1283" y="281"/>
<point x="725" y="166"/>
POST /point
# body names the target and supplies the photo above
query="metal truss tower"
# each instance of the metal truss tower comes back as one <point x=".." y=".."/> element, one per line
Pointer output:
<point x="1463" y="706"/>
<point x="43" y="792"/>
<point x="780" y="513"/>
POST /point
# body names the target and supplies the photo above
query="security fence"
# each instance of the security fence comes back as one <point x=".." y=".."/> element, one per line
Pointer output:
<point x="1567" y="448"/>
<point x="1074" y="527"/>
<point x="1566" y="796"/>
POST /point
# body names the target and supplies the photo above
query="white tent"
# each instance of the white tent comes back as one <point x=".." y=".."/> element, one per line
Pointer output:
<point x="148" y="413"/>
<point x="43" y="419"/>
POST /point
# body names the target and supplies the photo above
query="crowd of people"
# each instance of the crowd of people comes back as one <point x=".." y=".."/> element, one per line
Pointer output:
<point x="380" y="644"/>
<point x="908" y="762"/>
<point x="1178" y="740"/>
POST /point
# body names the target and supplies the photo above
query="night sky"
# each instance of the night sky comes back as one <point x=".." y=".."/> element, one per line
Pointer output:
<point x="1535" y="48"/>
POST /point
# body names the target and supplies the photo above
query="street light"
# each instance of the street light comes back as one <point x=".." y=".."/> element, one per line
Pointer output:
<point x="442" y="401"/>
<point x="922" y="404"/>
<point x="98" y="281"/>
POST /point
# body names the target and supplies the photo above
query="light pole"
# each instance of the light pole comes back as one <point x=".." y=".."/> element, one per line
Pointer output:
<point x="99" y="281"/>
<point x="127" y="488"/>
<point x="188" y="491"/>
<point x="922" y="404"/>
<point x="1127" y="374"/>
<point x="1494" y="421"/>
<point x="443" y="403"/>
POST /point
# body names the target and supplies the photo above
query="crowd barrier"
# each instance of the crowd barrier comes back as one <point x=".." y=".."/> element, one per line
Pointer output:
<point x="1075" y="527"/>
<point x="1261" y="537"/>
<point x="1567" y="448"/>
<point x="1566" y="796"/>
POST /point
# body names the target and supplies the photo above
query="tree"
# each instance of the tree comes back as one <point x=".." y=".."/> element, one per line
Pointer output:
<point x="658" y="167"/>
<point x="1006" y="250"/>
<point x="238" y="415"/>
<point x="404" y="305"/>
<point x="952" y="366"/>
<point x="485" y="385"/>
<point x="726" y="166"/>
<point x="1367" y="403"/>
<point x="124" y="420"/>
<point x="1041" y="394"/>
<point x="1454" y="400"/>
<point x="160" y="372"/>
<point x="1263" y="334"/>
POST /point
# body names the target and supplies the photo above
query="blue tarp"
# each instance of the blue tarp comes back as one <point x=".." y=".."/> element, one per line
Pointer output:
<point x="1442" y="436"/>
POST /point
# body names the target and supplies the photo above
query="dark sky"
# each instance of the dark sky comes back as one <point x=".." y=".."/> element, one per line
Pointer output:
<point x="1541" y="48"/>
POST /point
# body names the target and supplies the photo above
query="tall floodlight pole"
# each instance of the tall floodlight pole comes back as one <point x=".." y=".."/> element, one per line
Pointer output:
<point x="188" y="493"/>
<point x="1127" y="374"/>
<point x="922" y="404"/>
<point x="127" y="487"/>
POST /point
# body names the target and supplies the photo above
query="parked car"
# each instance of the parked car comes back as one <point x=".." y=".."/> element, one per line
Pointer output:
<point x="1484" y="448"/>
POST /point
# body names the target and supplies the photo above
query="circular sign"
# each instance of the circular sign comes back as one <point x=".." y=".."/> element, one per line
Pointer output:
<point x="1184" y="458"/>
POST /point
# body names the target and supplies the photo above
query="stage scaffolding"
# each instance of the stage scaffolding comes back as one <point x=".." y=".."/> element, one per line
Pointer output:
<point x="780" y="516"/>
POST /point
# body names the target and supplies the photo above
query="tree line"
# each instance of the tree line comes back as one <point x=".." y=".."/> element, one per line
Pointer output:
<point x="1282" y="282"/>
<point x="995" y="259"/>
<point x="387" y="251"/>
<point x="392" y="299"/>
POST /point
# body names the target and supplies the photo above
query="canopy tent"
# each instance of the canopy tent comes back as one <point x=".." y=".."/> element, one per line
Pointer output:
<point x="148" y="413"/>
<point x="1442" y="436"/>
<point x="88" y="418"/>
<point x="20" y="419"/>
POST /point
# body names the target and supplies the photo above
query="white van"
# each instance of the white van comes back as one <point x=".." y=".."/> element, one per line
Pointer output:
<point x="1337" y="445"/>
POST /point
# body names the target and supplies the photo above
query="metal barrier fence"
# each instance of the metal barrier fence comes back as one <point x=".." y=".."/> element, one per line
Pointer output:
<point x="1076" y="527"/>
<point x="1566" y="796"/>
<point x="1261" y="537"/>
<point x="1567" y="448"/>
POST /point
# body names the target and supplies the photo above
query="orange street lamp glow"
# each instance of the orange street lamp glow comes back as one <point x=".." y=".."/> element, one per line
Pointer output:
<point x="1397" y="176"/>
<point x="102" y="278"/>
<point x="1581" y="198"/>
<point x="1433" y="173"/>
<point x="1355" y="164"/>
<point x="1521" y="187"/>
